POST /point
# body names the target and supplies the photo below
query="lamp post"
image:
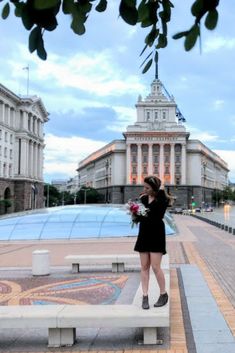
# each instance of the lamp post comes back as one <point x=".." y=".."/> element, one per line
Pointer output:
<point x="85" y="191"/>
<point x="107" y="180"/>
<point x="48" y="192"/>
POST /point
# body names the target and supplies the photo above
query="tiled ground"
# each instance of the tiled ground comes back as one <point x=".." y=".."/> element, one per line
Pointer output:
<point x="211" y="250"/>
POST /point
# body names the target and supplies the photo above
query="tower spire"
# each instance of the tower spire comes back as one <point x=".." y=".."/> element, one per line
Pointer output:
<point x="156" y="71"/>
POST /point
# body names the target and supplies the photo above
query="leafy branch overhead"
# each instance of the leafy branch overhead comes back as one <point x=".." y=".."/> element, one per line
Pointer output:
<point x="39" y="16"/>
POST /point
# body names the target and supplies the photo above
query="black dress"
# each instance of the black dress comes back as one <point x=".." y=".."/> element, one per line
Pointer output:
<point x="152" y="236"/>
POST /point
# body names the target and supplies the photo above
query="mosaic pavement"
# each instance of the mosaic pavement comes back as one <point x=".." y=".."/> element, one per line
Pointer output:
<point x="43" y="291"/>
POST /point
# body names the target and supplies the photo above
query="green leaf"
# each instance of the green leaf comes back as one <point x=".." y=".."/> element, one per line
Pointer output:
<point x="191" y="37"/>
<point x="211" y="19"/>
<point x="40" y="49"/>
<point x="27" y="17"/>
<point x="143" y="12"/>
<point x="128" y="11"/>
<point x="197" y="8"/>
<point x="18" y="9"/>
<point x="34" y="38"/>
<point x="5" y="11"/>
<point x="150" y="38"/>
<point x="101" y="6"/>
<point x="68" y="6"/>
<point x="143" y="50"/>
<point x="147" y="66"/>
<point x="146" y="58"/>
<point x="180" y="35"/>
<point x="43" y="5"/>
<point x="78" y="26"/>
<point x="162" y="41"/>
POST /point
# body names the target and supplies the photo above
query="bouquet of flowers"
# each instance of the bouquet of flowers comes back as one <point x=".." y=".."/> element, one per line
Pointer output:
<point x="136" y="209"/>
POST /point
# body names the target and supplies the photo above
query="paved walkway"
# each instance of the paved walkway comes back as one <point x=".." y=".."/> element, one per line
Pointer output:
<point x="202" y="277"/>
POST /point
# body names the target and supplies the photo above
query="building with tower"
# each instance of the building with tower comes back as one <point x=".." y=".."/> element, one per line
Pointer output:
<point x="21" y="151"/>
<point x="157" y="144"/>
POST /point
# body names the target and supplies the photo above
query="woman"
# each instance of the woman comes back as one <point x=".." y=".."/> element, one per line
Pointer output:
<point x="151" y="240"/>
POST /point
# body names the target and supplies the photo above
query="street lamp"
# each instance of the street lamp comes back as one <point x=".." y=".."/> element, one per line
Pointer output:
<point x="107" y="180"/>
<point x="48" y="191"/>
<point x="85" y="191"/>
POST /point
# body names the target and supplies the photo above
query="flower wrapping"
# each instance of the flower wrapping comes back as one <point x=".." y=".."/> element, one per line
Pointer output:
<point x="136" y="210"/>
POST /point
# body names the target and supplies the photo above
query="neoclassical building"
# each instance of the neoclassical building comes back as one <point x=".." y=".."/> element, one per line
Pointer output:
<point x="157" y="144"/>
<point x="21" y="151"/>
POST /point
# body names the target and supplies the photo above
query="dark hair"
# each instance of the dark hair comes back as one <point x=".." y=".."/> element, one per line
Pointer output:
<point x="154" y="182"/>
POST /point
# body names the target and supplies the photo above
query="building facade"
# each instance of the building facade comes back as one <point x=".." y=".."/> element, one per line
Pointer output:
<point x="21" y="151"/>
<point x="157" y="144"/>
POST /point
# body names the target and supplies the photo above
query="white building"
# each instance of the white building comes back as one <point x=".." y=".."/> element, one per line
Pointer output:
<point x="21" y="150"/>
<point x="157" y="144"/>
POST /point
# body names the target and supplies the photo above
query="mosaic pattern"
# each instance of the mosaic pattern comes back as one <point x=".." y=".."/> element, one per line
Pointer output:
<point x="82" y="290"/>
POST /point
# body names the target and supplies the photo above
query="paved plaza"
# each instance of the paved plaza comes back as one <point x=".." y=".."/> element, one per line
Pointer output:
<point x="202" y="295"/>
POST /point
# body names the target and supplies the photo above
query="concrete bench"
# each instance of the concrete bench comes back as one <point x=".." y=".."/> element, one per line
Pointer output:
<point x="118" y="261"/>
<point x="62" y="320"/>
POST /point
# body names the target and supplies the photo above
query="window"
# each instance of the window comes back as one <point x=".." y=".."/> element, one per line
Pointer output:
<point x="145" y="170"/>
<point x="155" y="160"/>
<point x="134" y="170"/>
<point x="6" y="136"/>
<point x="148" y="116"/>
<point x="145" y="159"/>
<point x="11" y="138"/>
<point x="156" y="115"/>
<point x="11" y="154"/>
<point x="155" y="170"/>
<point x="5" y="152"/>
<point x="134" y="159"/>
<point x="0" y="134"/>
<point x="163" y="115"/>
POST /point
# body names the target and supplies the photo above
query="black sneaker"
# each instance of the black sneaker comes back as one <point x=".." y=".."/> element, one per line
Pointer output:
<point x="145" y="302"/>
<point x="162" y="300"/>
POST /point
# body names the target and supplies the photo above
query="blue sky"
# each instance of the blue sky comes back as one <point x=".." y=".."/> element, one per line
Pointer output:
<point x="90" y="84"/>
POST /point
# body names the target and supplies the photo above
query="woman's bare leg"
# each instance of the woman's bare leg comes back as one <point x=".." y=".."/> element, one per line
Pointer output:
<point x="145" y="266"/>
<point x="156" y="259"/>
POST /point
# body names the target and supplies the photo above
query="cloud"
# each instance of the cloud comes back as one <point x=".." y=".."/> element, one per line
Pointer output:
<point x="229" y="157"/>
<point x="204" y="136"/>
<point x="62" y="154"/>
<point x="94" y="72"/>
<point x="218" y="104"/>
<point x="217" y="43"/>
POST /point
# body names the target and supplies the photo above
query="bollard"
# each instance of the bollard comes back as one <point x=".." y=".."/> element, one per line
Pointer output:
<point x="230" y="229"/>
<point x="40" y="263"/>
<point x="233" y="231"/>
<point x="226" y="228"/>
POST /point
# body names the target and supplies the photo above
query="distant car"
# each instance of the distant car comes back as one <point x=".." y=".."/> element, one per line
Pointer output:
<point x="208" y="209"/>
<point x="198" y="209"/>
<point x="178" y="210"/>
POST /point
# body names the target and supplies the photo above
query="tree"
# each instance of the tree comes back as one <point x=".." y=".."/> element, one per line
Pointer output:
<point x="39" y="16"/>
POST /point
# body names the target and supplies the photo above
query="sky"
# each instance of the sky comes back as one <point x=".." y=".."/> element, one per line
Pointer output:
<point x="90" y="84"/>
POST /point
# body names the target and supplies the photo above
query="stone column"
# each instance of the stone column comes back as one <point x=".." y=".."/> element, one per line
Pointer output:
<point x="161" y="162"/>
<point x="128" y="163"/>
<point x="150" y="159"/>
<point x="35" y="160"/>
<point x="2" y="111"/>
<point x="23" y="157"/>
<point x="183" y="164"/>
<point x="139" y="165"/>
<point x="172" y="163"/>
<point x="31" y="159"/>
<point x="40" y="162"/>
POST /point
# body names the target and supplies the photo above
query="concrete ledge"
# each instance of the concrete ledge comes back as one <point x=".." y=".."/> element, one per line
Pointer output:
<point x="117" y="261"/>
<point x="62" y="320"/>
